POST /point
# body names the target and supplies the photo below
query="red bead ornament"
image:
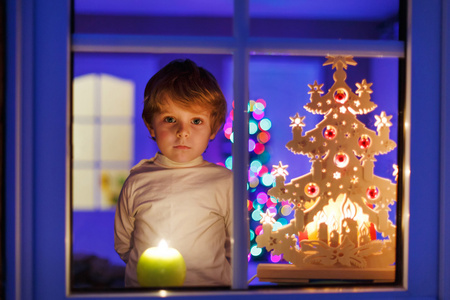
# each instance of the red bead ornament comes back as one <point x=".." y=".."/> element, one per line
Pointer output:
<point x="341" y="96"/>
<point x="364" y="141"/>
<point x="312" y="189"/>
<point x="341" y="160"/>
<point x="372" y="192"/>
<point x="329" y="132"/>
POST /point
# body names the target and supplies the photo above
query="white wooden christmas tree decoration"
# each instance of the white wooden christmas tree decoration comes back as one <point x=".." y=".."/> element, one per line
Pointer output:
<point x="341" y="199"/>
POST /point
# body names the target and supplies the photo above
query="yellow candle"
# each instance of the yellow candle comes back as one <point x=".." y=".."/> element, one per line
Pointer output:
<point x="161" y="267"/>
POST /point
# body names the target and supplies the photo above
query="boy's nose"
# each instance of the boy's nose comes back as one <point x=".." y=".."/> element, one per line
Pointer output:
<point x="182" y="131"/>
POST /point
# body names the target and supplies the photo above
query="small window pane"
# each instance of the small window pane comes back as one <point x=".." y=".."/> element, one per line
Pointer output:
<point x="109" y="137"/>
<point x="114" y="101"/>
<point x="304" y="170"/>
<point x="83" y="99"/>
<point x="371" y="20"/>
<point x="84" y="189"/>
<point x="116" y="142"/>
<point x="153" y="17"/>
<point x="83" y="142"/>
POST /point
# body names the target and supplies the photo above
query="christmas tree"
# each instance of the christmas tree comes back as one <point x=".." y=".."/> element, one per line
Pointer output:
<point x="340" y="204"/>
<point x="259" y="177"/>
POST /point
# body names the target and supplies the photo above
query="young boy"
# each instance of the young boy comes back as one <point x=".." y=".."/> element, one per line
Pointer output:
<point x="177" y="196"/>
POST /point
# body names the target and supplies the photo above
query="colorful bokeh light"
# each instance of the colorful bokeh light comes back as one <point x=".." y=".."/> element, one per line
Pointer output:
<point x="265" y="124"/>
<point x="267" y="180"/>
<point x="252" y="127"/>
<point x="255" y="251"/>
<point x="229" y="162"/>
<point x="259" y="178"/>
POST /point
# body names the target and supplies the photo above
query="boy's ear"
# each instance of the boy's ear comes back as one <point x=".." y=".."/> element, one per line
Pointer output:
<point x="150" y="129"/>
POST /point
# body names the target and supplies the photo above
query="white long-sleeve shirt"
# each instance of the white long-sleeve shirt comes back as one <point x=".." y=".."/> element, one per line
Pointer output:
<point x="186" y="204"/>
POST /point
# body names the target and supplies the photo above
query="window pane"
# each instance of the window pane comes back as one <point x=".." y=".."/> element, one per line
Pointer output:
<point x="109" y="137"/>
<point x="103" y="129"/>
<point x="326" y="172"/>
<point x="372" y="20"/>
<point x="153" y="17"/>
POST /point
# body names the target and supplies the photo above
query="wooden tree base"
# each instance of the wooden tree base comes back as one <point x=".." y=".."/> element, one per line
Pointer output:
<point x="286" y="273"/>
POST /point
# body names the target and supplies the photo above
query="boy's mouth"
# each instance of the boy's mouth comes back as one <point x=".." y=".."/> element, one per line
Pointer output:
<point x="182" y="147"/>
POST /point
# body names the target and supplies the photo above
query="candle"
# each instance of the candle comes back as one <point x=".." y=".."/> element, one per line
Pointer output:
<point x="364" y="235"/>
<point x="267" y="228"/>
<point x="323" y="233"/>
<point x="297" y="133"/>
<point x="384" y="133"/>
<point x="297" y="124"/>
<point x="279" y="172"/>
<point x="279" y="181"/>
<point x="161" y="267"/>
<point x="349" y="225"/>
<point x="334" y="235"/>
<point x="267" y="220"/>
<point x="323" y="228"/>
<point x="349" y="229"/>
<point x="334" y="238"/>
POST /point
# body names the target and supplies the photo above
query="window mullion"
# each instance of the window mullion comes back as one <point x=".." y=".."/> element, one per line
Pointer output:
<point x="118" y="43"/>
<point x="225" y="45"/>
<point x="240" y="145"/>
<point x="324" y="47"/>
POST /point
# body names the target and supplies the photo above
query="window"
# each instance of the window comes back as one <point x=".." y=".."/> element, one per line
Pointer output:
<point x="285" y="86"/>
<point x="37" y="139"/>
<point x="299" y="35"/>
<point x="102" y="139"/>
<point x="109" y="137"/>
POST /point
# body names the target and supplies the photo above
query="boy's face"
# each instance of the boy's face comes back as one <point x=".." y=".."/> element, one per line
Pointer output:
<point x="181" y="135"/>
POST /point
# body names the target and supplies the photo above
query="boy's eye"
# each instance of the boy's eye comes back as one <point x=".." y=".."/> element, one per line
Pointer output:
<point x="197" y="121"/>
<point x="169" y="119"/>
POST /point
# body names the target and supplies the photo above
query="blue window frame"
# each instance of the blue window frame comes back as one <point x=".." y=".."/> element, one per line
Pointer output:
<point x="37" y="183"/>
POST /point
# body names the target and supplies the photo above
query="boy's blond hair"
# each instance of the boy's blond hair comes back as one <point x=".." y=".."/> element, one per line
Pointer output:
<point x="189" y="86"/>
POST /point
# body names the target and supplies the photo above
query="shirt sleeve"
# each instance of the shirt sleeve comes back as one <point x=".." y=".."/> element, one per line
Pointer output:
<point x="123" y="224"/>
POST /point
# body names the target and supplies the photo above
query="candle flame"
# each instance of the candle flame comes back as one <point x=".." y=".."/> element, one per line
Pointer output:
<point x="348" y="209"/>
<point x="363" y="229"/>
<point x="163" y="244"/>
<point x="322" y="217"/>
<point x="333" y="222"/>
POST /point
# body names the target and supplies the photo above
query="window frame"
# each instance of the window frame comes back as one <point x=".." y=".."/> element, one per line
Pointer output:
<point x="38" y="140"/>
